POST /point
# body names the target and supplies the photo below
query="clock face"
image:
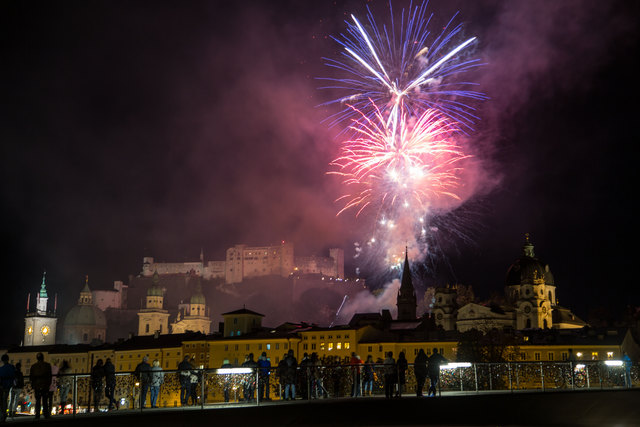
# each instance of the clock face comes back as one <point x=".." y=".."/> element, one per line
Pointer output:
<point x="45" y="330"/>
<point x="544" y="309"/>
<point x="29" y="330"/>
<point x="527" y="309"/>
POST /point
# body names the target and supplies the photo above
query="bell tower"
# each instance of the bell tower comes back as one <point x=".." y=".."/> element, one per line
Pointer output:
<point x="40" y="323"/>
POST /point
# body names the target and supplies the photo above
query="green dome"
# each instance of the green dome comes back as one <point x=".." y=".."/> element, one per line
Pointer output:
<point x="198" y="299"/>
<point x="155" y="291"/>
<point x="85" y="315"/>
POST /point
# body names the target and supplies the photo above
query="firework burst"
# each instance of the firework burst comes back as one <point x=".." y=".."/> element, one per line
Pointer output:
<point x="405" y="69"/>
<point x="411" y="166"/>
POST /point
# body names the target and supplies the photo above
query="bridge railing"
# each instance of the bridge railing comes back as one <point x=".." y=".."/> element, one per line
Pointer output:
<point x="78" y="393"/>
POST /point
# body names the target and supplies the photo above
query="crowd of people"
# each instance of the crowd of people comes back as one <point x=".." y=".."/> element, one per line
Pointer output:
<point x="310" y="378"/>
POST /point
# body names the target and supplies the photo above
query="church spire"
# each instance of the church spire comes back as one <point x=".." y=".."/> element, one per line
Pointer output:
<point x="406" y="302"/>
<point x="43" y="286"/>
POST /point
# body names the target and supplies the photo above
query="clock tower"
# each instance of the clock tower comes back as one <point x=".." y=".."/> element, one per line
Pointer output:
<point x="40" y="323"/>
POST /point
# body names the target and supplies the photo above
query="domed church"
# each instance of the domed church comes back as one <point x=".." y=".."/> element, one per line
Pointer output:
<point x="531" y="301"/>
<point x="85" y="323"/>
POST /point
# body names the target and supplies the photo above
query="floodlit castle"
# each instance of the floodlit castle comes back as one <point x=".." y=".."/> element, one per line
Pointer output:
<point x="531" y="302"/>
<point x="244" y="262"/>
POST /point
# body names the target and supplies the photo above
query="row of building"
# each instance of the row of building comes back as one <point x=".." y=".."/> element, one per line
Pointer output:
<point x="542" y="330"/>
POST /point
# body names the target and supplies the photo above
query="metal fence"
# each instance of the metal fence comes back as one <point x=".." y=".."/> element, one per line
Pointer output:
<point x="201" y="387"/>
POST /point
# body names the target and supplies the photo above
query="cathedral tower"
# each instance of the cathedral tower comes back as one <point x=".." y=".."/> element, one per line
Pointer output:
<point x="40" y="324"/>
<point x="193" y="316"/>
<point x="153" y="317"/>
<point x="406" y="302"/>
<point x="531" y="289"/>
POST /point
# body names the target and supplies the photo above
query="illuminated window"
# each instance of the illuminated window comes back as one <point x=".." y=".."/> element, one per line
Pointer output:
<point x="322" y="346"/>
<point x="339" y="346"/>
<point x="268" y="346"/>
<point x="609" y="354"/>
<point x="594" y="355"/>
<point x="579" y="354"/>
<point x="346" y="346"/>
<point x="330" y="346"/>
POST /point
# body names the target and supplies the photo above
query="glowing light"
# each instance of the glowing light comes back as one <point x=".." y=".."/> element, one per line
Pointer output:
<point x="454" y="365"/>
<point x="613" y="362"/>
<point x="227" y="371"/>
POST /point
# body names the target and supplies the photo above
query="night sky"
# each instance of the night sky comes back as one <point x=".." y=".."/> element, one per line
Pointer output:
<point x="152" y="128"/>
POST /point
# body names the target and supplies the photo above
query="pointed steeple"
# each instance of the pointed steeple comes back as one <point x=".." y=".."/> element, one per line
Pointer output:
<point x="406" y="302"/>
<point x="43" y="286"/>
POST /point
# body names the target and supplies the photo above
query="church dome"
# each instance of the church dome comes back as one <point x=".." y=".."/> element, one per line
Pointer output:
<point x="198" y="299"/>
<point x="85" y="315"/>
<point x="528" y="269"/>
<point x="155" y="290"/>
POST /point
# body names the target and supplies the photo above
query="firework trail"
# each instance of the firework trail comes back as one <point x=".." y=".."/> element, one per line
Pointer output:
<point x="404" y="68"/>
<point x="406" y="106"/>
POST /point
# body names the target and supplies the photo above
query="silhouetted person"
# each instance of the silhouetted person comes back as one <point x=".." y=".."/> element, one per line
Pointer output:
<point x="290" y="376"/>
<point x="264" y="372"/>
<point x="40" y="377"/>
<point x="435" y="360"/>
<point x="97" y="375"/>
<point x="184" y="369"/>
<point x="16" y="390"/>
<point x="627" y="369"/>
<point x="110" y="384"/>
<point x="249" y="379"/>
<point x="367" y="377"/>
<point x="7" y="379"/>
<point x="157" y="379"/>
<point x="420" y="370"/>
<point x="390" y="375"/>
<point x="66" y="382"/>
<point x="142" y="374"/>
<point x="402" y="366"/>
